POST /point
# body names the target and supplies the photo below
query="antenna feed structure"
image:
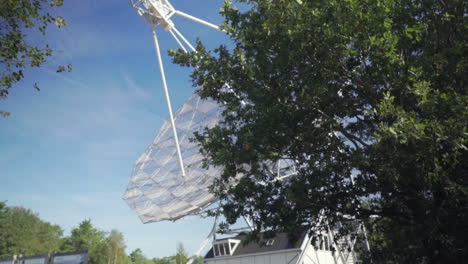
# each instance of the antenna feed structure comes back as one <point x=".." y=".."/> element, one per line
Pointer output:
<point x="168" y="180"/>
<point x="158" y="13"/>
<point x="155" y="12"/>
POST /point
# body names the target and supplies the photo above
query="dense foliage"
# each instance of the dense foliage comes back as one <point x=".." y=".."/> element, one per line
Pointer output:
<point x="368" y="97"/>
<point x="20" y="23"/>
<point x="22" y="232"/>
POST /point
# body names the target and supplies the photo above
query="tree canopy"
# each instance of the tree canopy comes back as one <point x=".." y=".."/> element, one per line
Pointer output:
<point x="22" y="232"/>
<point x="19" y="51"/>
<point x="137" y="257"/>
<point x="369" y="99"/>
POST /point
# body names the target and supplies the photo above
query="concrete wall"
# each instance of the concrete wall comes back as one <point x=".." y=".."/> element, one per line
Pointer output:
<point x="288" y="257"/>
<point x="312" y="256"/>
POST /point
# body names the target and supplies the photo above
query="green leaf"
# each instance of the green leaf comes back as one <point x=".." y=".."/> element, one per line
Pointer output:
<point x="60" y="22"/>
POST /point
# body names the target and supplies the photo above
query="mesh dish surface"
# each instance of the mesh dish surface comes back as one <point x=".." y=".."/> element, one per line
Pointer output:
<point x="157" y="190"/>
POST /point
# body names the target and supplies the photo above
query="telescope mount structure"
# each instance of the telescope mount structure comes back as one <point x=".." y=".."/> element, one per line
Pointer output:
<point x="168" y="180"/>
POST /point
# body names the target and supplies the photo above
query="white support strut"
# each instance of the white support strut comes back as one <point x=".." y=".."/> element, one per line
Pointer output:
<point x="158" y="13"/>
<point x="168" y="100"/>
<point x="183" y="38"/>
<point x="309" y="240"/>
<point x="198" y="20"/>
<point x="177" y="40"/>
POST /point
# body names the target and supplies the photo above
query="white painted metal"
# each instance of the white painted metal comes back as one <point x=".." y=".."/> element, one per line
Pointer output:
<point x="201" y="21"/>
<point x="306" y="255"/>
<point x="158" y="190"/>
<point x="183" y="38"/>
<point x="155" y="12"/>
<point x="304" y="246"/>
<point x="168" y="101"/>
<point x="331" y="238"/>
<point x="177" y="40"/>
<point x="364" y="230"/>
<point x="158" y="13"/>
<point x="206" y="241"/>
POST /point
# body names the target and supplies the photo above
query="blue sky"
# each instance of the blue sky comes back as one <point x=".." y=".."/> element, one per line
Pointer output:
<point x="67" y="151"/>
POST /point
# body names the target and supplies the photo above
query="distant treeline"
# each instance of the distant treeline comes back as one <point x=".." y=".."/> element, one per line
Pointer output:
<point x="22" y="232"/>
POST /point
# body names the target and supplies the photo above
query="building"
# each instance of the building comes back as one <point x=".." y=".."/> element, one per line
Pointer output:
<point x="277" y="250"/>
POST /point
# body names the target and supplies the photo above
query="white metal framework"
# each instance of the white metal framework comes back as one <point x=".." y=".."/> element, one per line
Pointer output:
<point x="158" y="13"/>
<point x="168" y="180"/>
<point x="158" y="190"/>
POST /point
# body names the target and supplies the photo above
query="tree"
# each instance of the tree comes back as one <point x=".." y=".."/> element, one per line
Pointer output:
<point x="137" y="257"/>
<point x="87" y="237"/>
<point x="103" y="247"/>
<point x="164" y="260"/>
<point x="181" y="256"/>
<point x="18" y="52"/>
<point x="368" y="98"/>
<point x="23" y="232"/>
<point x="116" y="248"/>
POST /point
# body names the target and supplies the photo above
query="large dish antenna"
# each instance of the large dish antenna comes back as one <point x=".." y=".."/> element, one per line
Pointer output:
<point x="168" y="181"/>
<point x="158" y="190"/>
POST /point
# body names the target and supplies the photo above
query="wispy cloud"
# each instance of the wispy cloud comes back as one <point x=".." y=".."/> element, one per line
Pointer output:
<point x="77" y="109"/>
<point x="65" y="77"/>
<point x="67" y="151"/>
<point x="136" y="89"/>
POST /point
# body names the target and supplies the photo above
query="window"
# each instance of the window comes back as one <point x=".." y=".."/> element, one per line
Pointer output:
<point x="224" y="247"/>
<point x="221" y="250"/>
<point x="270" y="242"/>
<point x="227" y="249"/>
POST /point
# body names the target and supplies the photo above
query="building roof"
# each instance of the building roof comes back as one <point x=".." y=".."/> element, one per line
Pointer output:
<point x="281" y="242"/>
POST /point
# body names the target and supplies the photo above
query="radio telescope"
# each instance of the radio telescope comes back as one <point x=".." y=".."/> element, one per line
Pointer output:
<point x="168" y="180"/>
<point x="158" y="190"/>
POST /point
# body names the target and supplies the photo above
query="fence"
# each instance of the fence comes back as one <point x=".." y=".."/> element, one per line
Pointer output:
<point x="80" y="257"/>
